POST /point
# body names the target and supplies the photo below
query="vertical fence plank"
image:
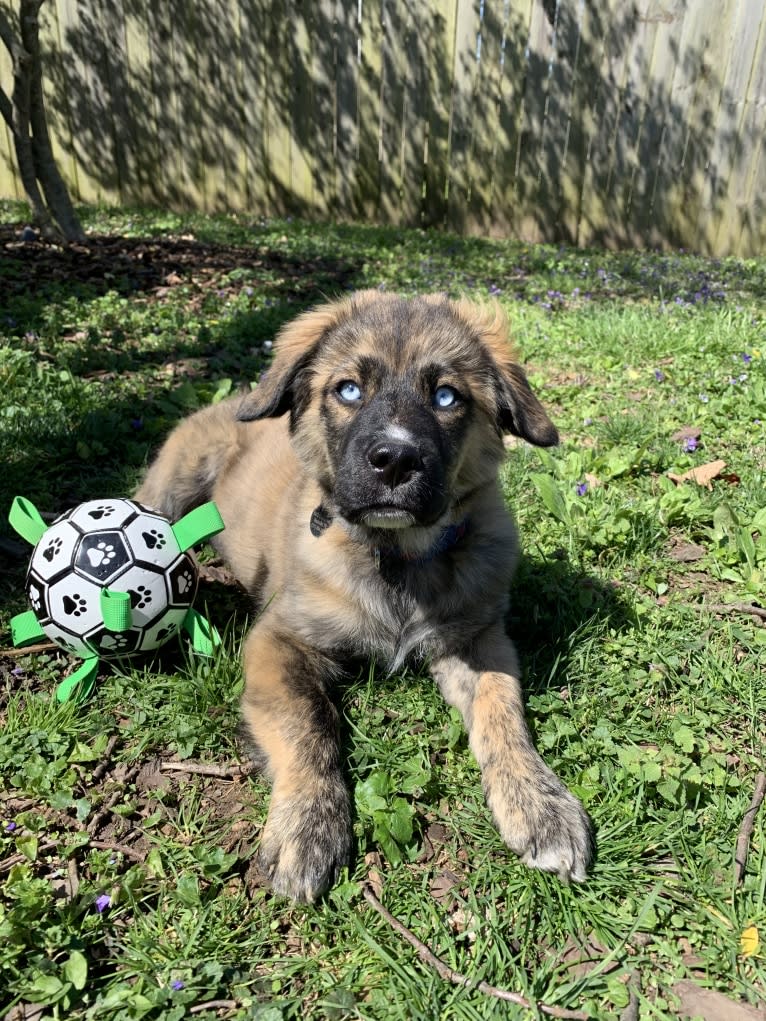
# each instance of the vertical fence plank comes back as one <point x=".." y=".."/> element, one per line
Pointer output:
<point x="368" y="180"/>
<point x="745" y="74"/>
<point x="344" y="155"/>
<point x="752" y="188"/>
<point x="517" y="15"/>
<point x="252" y="16"/>
<point x="461" y="127"/>
<point x="140" y="124"/>
<point x="393" y="101"/>
<point x="438" y="32"/>
<point x="10" y="185"/>
<point x="484" y="112"/>
<point x="539" y="54"/>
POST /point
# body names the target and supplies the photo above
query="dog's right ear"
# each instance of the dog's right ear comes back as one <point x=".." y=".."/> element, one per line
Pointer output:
<point x="285" y="385"/>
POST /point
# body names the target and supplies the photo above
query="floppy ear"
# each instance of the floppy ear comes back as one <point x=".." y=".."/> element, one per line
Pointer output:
<point x="285" y="382"/>
<point x="518" y="411"/>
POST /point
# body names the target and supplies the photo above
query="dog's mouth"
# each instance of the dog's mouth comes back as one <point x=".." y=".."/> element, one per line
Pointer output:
<point x="386" y="517"/>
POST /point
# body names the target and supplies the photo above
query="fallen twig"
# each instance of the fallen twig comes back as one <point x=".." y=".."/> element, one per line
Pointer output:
<point x="206" y="769"/>
<point x="455" y="977"/>
<point x="748" y="608"/>
<point x="49" y="845"/>
<point x="27" y="650"/>
<point x="214" y="1005"/>
<point x="746" y="829"/>
<point x="106" y="759"/>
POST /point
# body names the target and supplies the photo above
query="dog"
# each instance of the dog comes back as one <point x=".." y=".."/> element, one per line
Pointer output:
<point x="358" y="485"/>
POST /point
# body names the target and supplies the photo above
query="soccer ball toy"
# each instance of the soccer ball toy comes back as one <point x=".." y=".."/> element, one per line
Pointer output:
<point x="111" y="578"/>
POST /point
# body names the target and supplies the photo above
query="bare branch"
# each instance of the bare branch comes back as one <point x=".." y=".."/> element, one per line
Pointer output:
<point x="746" y="829"/>
<point x="455" y="977"/>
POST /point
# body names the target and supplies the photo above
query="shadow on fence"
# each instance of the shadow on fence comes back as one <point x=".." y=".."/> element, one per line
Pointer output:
<point x="591" y="123"/>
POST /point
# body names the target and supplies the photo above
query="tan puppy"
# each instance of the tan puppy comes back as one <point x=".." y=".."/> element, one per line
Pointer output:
<point x="358" y="484"/>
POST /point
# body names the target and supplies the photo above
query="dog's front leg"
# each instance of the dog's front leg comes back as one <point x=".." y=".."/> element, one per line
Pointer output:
<point x="537" y="816"/>
<point x="294" y="727"/>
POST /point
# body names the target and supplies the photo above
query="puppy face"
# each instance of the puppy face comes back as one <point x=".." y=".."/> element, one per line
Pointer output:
<point x="398" y="406"/>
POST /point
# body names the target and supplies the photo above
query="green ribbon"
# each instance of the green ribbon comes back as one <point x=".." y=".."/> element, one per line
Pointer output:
<point x="204" y="637"/>
<point x="198" y="525"/>
<point x="25" y="519"/>
<point x="25" y="629"/>
<point x="80" y="683"/>
<point x="116" y="610"/>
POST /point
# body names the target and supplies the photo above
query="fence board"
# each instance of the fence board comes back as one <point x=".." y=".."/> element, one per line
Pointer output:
<point x="550" y="119"/>
<point x="370" y="154"/>
<point x="439" y="35"/>
<point x="461" y="123"/>
<point x="745" y="68"/>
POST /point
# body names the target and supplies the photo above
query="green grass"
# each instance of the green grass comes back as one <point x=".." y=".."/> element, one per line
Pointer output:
<point x="643" y="673"/>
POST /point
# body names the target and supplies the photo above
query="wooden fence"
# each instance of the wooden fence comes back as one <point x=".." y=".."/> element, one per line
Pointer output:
<point x="590" y="121"/>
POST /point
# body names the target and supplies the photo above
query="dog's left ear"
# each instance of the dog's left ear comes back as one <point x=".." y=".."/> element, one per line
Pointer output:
<point x="518" y="411"/>
<point x="285" y="385"/>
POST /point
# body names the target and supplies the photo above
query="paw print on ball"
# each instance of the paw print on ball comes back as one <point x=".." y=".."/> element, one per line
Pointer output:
<point x="101" y="555"/>
<point x="140" y="597"/>
<point x="52" y="549"/>
<point x="74" y="605"/>
<point x="154" y="539"/>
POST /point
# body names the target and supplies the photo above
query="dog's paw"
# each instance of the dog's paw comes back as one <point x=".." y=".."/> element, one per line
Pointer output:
<point x="306" y="842"/>
<point x="545" y="825"/>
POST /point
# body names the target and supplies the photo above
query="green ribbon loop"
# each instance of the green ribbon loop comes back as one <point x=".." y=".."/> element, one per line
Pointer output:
<point x="25" y="519"/>
<point x="116" y="610"/>
<point x="204" y="637"/>
<point x="198" y="525"/>
<point x="80" y="683"/>
<point x="25" y="629"/>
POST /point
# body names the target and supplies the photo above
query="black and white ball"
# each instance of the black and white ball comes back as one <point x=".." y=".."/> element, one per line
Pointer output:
<point x="114" y="544"/>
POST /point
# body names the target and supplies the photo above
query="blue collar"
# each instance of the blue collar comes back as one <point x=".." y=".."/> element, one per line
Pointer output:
<point x="449" y="537"/>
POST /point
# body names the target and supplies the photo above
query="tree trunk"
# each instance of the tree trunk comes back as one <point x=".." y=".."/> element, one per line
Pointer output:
<point x="54" y="188"/>
<point x="25" y="115"/>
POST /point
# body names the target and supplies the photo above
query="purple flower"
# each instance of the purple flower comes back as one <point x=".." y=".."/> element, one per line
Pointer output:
<point x="494" y="289"/>
<point x="176" y="984"/>
<point x="582" y="488"/>
<point x="18" y="671"/>
<point x="103" y="901"/>
<point x="746" y="358"/>
<point x="690" y="444"/>
<point x="659" y="375"/>
<point x="136" y="423"/>
<point x="10" y="827"/>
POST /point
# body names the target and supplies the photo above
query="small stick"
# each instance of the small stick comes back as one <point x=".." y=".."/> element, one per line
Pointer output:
<point x="455" y="977"/>
<point x="103" y="765"/>
<point x="73" y="879"/>
<point x="27" y="650"/>
<point x="754" y="611"/>
<point x="206" y="769"/>
<point x="746" y="829"/>
<point x="107" y="845"/>
<point x="214" y="1005"/>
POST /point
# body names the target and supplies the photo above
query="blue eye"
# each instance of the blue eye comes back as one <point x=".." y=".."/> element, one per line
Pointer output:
<point x="349" y="392"/>
<point x="444" y="397"/>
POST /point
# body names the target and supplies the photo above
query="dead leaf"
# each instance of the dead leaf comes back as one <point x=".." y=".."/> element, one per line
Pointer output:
<point x="443" y="884"/>
<point x="374" y="864"/>
<point x="710" y="1005"/>
<point x="749" y="941"/>
<point x="703" y="474"/>
<point x="687" y="552"/>
<point x="687" y="432"/>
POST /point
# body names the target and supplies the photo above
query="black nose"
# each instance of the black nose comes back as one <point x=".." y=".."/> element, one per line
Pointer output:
<point x="395" y="462"/>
